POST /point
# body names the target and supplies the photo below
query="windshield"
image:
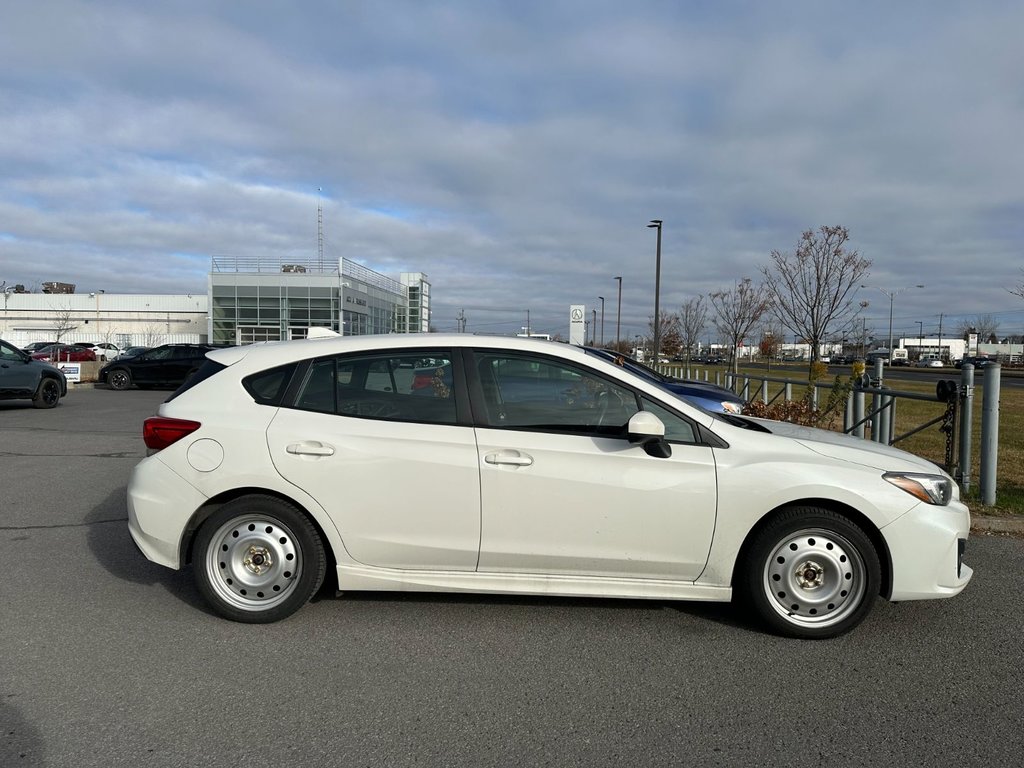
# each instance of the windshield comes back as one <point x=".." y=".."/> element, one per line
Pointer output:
<point x="628" y="363"/>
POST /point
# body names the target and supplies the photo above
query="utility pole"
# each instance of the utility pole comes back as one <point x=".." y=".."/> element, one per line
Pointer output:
<point x="940" y="336"/>
<point x="656" y="224"/>
<point x="618" y="316"/>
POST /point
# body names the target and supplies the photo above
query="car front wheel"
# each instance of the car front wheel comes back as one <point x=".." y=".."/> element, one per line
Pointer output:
<point x="47" y="394"/>
<point x="258" y="559"/>
<point x="811" y="573"/>
<point x="119" y="379"/>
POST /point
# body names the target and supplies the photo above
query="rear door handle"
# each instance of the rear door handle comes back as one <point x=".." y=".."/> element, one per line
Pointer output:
<point x="310" y="448"/>
<point x="515" y="458"/>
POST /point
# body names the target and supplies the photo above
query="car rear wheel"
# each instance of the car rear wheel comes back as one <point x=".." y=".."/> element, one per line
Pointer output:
<point x="811" y="573"/>
<point x="119" y="379"/>
<point x="47" y="394"/>
<point x="258" y="559"/>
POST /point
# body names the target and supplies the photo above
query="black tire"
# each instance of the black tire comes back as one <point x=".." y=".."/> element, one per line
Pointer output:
<point x="47" y="394"/>
<point x="119" y="379"/>
<point x="258" y="560"/>
<point x="811" y="574"/>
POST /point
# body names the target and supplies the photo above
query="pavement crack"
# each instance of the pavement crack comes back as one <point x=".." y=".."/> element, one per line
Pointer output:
<point x="65" y="525"/>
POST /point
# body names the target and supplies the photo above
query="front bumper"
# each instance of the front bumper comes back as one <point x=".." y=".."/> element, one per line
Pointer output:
<point x="927" y="546"/>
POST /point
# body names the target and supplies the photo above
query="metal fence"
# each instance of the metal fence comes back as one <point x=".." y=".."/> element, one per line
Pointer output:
<point x="870" y="413"/>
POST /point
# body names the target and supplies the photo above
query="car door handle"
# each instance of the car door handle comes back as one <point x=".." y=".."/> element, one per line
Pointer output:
<point x="310" y="448"/>
<point x="515" y="458"/>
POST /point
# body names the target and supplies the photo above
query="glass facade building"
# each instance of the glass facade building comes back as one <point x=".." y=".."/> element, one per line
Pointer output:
<point x="254" y="300"/>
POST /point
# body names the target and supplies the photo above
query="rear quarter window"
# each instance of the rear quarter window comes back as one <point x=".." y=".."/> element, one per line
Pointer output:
<point x="205" y="371"/>
<point x="268" y="387"/>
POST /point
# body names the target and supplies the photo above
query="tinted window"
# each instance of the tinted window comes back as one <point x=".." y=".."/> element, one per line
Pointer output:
<point x="266" y="387"/>
<point x="205" y="371"/>
<point x="524" y="392"/>
<point x="7" y="352"/>
<point x="398" y="388"/>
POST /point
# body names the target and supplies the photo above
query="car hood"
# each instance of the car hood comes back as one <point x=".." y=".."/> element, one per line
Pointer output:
<point x="857" y="450"/>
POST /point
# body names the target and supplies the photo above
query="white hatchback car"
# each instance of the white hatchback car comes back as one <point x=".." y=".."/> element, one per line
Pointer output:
<point x="473" y="464"/>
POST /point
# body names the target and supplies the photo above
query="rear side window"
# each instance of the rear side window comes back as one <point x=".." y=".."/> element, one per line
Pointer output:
<point x="268" y="387"/>
<point x="205" y="371"/>
<point x="403" y="387"/>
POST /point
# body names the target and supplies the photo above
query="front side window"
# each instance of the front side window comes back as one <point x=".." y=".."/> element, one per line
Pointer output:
<point x="536" y="393"/>
<point x="8" y="352"/>
<point x="405" y="387"/>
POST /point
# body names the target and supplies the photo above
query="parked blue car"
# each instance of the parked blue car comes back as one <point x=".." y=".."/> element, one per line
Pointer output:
<point x="710" y="397"/>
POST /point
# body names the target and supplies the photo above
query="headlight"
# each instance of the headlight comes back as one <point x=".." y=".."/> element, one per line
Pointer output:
<point x="732" y="407"/>
<point x="931" y="489"/>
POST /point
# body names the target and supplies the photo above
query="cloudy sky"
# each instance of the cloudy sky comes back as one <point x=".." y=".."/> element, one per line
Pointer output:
<point x="515" y="151"/>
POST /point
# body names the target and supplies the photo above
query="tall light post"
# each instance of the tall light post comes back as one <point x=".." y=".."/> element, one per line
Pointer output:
<point x="892" y="295"/>
<point x="618" y="315"/>
<point x="593" y="329"/>
<point x="920" y="337"/>
<point x="656" y="224"/>
<point x="602" y="319"/>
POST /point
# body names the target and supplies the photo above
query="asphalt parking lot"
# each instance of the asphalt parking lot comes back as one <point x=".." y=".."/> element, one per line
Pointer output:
<point x="109" y="660"/>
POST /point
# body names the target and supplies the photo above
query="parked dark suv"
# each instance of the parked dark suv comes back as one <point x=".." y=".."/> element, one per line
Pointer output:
<point x="165" y="366"/>
<point x="21" y="377"/>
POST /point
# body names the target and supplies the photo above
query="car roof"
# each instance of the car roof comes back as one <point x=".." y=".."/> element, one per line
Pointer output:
<point x="279" y="352"/>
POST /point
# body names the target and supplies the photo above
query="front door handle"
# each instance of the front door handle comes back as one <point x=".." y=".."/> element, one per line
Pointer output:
<point x="515" y="458"/>
<point x="310" y="448"/>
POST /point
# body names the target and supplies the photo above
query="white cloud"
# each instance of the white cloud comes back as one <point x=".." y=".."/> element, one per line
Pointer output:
<point x="514" y="152"/>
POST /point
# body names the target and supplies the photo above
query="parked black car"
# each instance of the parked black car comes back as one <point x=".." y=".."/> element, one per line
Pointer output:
<point x="979" y="361"/>
<point x="164" y="366"/>
<point x="35" y="346"/>
<point x="21" y="377"/>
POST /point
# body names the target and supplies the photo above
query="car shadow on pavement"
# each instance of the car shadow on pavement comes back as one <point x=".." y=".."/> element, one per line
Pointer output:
<point x="21" y="743"/>
<point x="113" y="548"/>
<point x="724" y="614"/>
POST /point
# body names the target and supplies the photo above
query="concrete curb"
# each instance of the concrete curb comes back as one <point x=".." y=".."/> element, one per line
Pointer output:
<point x="1013" y="526"/>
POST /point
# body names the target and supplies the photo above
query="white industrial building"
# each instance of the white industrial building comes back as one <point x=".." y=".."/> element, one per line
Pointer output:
<point x="251" y="299"/>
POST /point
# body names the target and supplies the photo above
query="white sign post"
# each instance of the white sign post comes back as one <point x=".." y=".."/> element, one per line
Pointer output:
<point x="577" y="325"/>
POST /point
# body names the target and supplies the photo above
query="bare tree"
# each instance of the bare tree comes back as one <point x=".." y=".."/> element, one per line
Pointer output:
<point x="693" y="316"/>
<point x="62" y="323"/>
<point x="985" y="326"/>
<point x="669" y="340"/>
<point x="1018" y="290"/>
<point x="812" y="289"/>
<point x="737" y="311"/>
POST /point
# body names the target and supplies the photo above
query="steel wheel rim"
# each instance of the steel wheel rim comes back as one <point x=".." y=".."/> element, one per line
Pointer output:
<point x="815" y="578"/>
<point x="254" y="562"/>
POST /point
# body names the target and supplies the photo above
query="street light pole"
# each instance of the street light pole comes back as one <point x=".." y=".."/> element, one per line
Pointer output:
<point x="656" y="224"/>
<point x="920" y="337"/>
<point x="618" y="315"/>
<point x="602" y="319"/>
<point x="892" y="295"/>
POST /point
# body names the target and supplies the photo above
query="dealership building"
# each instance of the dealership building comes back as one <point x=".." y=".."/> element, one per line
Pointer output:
<point x="247" y="300"/>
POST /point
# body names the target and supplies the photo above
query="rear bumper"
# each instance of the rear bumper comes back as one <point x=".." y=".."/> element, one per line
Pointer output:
<point x="160" y="506"/>
<point x="927" y="546"/>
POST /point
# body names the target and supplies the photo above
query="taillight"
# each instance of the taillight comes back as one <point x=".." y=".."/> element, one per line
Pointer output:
<point x="159" y="432"/>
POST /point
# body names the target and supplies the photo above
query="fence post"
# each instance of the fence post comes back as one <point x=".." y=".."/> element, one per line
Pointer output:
<point x="789" y="391"/>
<point x="848" y="413"/>
<point x="746" y="388"/>
<point x="764" y="391"/>
<point x="858" y="413"/>
<point x="989" y="434"/>
<point x="966" y="424"/>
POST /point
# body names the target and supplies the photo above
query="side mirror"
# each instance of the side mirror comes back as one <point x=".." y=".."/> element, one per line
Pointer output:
<point x="648" y="430"/>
